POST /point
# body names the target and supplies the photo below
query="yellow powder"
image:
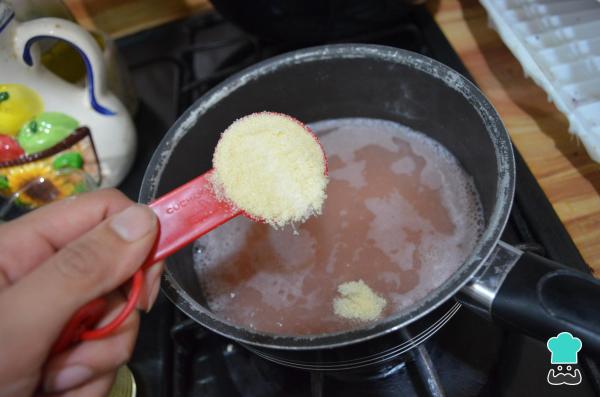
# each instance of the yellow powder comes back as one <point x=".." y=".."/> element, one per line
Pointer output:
<point x="269" y="165"/>
<point x="358" y="302"/>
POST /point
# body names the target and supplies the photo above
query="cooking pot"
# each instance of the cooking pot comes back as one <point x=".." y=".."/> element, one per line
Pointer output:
<point x="514" y="288"/>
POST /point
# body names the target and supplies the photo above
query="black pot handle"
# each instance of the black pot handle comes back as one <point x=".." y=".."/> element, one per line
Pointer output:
<point x="538" y="297"/>
<point x="542" y="298"/>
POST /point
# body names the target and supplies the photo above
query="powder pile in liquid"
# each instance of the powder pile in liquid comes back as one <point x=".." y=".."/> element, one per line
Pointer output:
<point x="357" y="301"/>
<point x="271" y="167"/>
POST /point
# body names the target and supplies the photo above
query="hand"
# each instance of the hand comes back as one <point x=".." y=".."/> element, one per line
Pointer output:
<point x="53" y="261"/>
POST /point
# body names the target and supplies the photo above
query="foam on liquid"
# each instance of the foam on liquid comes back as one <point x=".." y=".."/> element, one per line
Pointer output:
<point x="401" y="215"/>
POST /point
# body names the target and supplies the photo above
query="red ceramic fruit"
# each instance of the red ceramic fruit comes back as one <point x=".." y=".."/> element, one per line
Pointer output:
<point x="9" y="149"/>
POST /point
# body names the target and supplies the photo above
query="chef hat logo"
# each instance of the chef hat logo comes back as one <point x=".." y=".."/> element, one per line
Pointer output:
<point x="564" y="348"/>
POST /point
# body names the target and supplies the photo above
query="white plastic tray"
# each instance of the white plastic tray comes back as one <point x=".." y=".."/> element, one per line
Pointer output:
<point x="558" y="45"/>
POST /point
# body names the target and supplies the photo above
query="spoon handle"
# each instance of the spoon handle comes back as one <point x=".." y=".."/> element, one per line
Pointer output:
<point x="187" y="213"/>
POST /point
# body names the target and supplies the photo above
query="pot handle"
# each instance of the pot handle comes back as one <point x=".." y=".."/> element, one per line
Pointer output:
<point x="29" y="32"/>
<point x="537" y="297"/>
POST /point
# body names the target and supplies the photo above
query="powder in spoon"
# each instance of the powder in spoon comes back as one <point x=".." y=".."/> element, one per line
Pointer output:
<point x="270" y="166"/>
<point x="357" y="301"/>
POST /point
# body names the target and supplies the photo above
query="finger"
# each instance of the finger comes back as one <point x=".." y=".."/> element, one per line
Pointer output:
<point x="33" y="238"/>
<point x="152" y="278"/>
<point x="3" y="279"/>
<point x="92" y="359"/>
<point x="91" y="266"/>
<point x="99" y="387"/>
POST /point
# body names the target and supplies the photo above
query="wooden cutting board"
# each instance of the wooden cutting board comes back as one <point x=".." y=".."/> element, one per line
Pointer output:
<point x="120" y="18"/>
<point x="565" y="172"/>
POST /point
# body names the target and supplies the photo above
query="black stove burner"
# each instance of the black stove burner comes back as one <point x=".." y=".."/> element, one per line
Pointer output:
<point x="469" y="356"/>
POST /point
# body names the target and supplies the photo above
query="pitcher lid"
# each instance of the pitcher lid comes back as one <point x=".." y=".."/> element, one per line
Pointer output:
<point x="6" y="15"/>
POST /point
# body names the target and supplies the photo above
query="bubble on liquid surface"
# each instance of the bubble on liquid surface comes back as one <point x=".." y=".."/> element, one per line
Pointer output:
<point x="401" y="214"/>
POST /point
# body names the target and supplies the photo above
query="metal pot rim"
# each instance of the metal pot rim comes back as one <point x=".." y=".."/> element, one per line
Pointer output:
<point x="505" y="190"/>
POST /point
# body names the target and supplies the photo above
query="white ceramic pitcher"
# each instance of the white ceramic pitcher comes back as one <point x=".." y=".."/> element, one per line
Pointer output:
<point x="112" y="130"/>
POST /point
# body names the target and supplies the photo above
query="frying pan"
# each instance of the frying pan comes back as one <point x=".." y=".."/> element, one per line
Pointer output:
<point x="516" y="289"/>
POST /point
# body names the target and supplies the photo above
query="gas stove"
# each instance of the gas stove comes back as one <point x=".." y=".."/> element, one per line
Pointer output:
<point x="173" y="65"/>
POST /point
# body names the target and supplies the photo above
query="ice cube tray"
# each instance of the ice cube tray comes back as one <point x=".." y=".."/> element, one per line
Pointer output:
<point x="558" y="44"/>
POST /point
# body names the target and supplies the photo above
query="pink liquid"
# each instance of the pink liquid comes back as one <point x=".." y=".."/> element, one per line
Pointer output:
<point x="401" y="215"/>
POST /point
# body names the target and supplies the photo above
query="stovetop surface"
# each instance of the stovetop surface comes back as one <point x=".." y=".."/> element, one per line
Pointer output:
<point x="173" y="65"/>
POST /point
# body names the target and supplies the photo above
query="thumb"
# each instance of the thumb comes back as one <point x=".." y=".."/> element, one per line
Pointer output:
<point x="96" y="263"/>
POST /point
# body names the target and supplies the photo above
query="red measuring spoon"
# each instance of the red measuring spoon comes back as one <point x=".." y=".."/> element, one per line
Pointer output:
<point x="184" y="215"/>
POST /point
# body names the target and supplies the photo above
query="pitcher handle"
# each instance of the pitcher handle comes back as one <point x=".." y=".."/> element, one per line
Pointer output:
<point x="28" y="33"/>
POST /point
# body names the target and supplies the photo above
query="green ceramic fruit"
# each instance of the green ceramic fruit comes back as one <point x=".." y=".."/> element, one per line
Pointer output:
<point x="3" y="182"/>
<point x="68" y="160"/>
<point x="45" y="130"/>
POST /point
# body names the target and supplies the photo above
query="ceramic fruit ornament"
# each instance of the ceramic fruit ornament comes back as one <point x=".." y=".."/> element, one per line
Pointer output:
<point x="48" y="157"/>
<point x="18" y="104"/>
<point x="9" y="148"/>
<point x="43" y="112"/>
<point x="45" y="130"/>
<point x="51" y="159"/>
<point x="71" y="160"/>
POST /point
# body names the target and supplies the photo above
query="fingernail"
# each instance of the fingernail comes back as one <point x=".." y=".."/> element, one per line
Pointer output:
<point x="67" y="378"/>
<point x="153" y="280"/>
<point x="134" y="222"/>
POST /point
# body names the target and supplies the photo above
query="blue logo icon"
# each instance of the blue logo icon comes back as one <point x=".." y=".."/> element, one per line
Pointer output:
<point x="563" y="349"/>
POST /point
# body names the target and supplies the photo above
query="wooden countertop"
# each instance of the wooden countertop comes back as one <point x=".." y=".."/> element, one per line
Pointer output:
<point x="563" y="169"/>
<point x="120" y="18"/>
<point x="570" y="179"/>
